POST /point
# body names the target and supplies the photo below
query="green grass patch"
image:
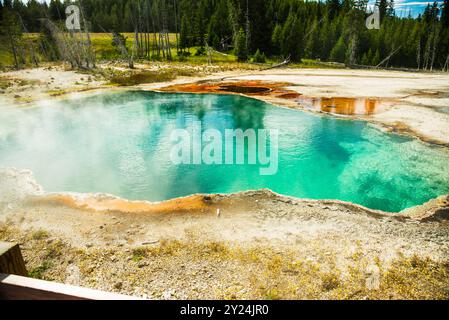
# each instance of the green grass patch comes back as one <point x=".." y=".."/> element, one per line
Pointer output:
<point x="38" y="272"/>
<point x="143" y="77"/>
<point x="40" y="235"/>
<point x="5" y="83"/>
<point x="138" y="254"/>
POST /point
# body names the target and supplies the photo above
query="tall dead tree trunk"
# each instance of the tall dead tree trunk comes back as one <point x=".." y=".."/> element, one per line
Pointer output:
<point x="352" y="59"/>
<point x="155" y="42"/>
<point x="176" y="24"/>
<point x="90" y="55"/>
<point x="147" y="31"/>
<point x="434" y="47"/>
<point x="247" y="27"/>
<point x="446" y="64"/>
<point x="418" y="54"/>
<point x="14" y="51"/>
<point x="33" y="56"/>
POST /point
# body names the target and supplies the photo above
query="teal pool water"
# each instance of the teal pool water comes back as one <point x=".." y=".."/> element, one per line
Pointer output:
<point x="120" y="144"/>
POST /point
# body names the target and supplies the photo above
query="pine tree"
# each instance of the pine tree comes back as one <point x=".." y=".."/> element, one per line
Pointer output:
<point x="338" y="53"/>
<point x="200" y="25"/>
<point x="276" y="27"/>
<point x="445" y="14"/>
<point x="333" y="8"/>
<point x="376" y="58"/>
<point x="311" y="49"/>
<point x="184" y="42"/>
<point x="259" y="57"/>
<point x="444" y="36"/>
<point x="56" y="10"/>
<point x="240" y="46"/>
<point x="383" y="8"/>
<point x="276" y="39"/>
<point x="292" y="36"/>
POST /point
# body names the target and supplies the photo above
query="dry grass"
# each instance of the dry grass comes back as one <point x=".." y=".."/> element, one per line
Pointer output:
<point x="218" y="270"/>
<point x="136" y="78"/>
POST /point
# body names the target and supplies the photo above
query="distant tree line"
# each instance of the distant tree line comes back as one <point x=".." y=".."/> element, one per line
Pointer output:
<point x="331" y="30"/>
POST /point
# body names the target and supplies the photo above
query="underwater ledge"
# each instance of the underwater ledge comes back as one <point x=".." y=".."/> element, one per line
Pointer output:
<point x="20" y="187"/>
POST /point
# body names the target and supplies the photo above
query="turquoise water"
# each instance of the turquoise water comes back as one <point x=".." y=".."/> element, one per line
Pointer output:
<point x="120" y="144"/>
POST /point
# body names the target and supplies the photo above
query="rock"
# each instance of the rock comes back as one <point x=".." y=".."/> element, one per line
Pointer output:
<point x="167" y="295"/>
<point x="73" y="277"/>
<point x="121" y="243"/>
<point x="372" y="274"/>
<point x="118" y="285"/>
<point x="17" y="185"/>
<point x="89" y="245"/>
<point x="146" y="243"/>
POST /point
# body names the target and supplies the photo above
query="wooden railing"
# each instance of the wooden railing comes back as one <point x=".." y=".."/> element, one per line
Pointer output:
<point x="14" y="285"/>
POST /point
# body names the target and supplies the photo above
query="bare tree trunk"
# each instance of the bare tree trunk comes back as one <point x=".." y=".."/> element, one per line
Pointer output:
<point x="14" y="51"/>
<point x="247" y="27"/>
<point x="418" y="54"/>
<point x="427" y="53"/>
<point x="33" y="57"/>
<point x="90" y="57"/>
<point x="446" y="65"/>
<point x="388" y="57"/>
<point x="176" y="24"/>
<point x="155" y="42"/>
<point x="136" y="40"/>
<point x="233" y="20"/>
<point x="434" y="49"/>
<point x="162" y="43"/>
<point x="147" y="31"/>
<point x="167" y="35"/>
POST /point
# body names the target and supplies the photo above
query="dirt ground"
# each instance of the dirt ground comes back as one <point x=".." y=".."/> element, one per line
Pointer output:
<point x="252" y="245"/>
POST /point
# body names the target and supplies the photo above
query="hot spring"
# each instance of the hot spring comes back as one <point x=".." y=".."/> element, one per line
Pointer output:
<point x="120" y="144"/>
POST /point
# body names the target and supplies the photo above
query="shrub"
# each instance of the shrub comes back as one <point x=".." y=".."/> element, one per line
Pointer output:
<point x="200" y="52"/>
<point x="259" y="57"/>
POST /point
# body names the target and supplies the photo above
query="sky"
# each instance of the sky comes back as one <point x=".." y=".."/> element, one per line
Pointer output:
<point x="403" y="7"/>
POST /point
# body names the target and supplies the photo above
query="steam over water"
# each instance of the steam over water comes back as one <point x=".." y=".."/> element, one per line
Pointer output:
<point x="120" y="144"/>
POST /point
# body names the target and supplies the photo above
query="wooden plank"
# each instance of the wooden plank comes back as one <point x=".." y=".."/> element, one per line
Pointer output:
<point x="11" y="260"/>
<point x="14" y="287"/>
